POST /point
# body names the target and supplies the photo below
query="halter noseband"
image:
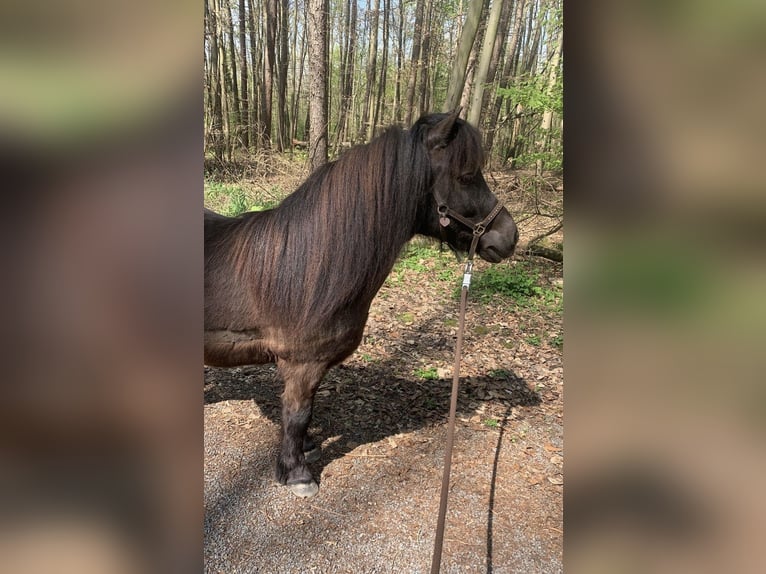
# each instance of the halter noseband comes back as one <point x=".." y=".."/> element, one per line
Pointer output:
<point x="478" y="229"/>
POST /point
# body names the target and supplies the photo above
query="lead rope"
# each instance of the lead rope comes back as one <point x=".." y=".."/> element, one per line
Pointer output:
<point x="478" y="231"/>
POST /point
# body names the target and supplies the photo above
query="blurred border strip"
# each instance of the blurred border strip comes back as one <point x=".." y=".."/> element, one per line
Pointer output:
<point x="101" y="415"/>
<point x="664" y="276"/>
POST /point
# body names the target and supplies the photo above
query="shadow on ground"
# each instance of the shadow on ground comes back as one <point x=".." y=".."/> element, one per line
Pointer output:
<point x="359" y="405"/>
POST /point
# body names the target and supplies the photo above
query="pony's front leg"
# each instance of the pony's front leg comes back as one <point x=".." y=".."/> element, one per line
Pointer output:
<point x="301" y="382"/>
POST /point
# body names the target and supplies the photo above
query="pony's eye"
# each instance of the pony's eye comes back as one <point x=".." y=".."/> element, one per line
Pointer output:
<point x="466" y="178"/>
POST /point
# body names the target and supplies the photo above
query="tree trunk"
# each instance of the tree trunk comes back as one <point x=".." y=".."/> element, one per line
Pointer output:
<point x="397" y="114"/>
<point x="283" y="119"/>
<point x="216" y="122"/>
<point x="256" y="129"/>
<point x="383" y="68"/>
<point x="505" y="79"/>
<point x="268" y="68"/>
<point x="424" y="89"/>
<point x="415" y="60"/>
<point x="237" y="118"/>
<point x="553" y="74"/>
<point x="244" y="95"/>
<point x="460" y="63"/>
<point x="317" y="40"/>
<point x="480" y="79"/>
<point x="368" y="126"/>
<point x="498" y="50"/>
<point x="348" y="61"/>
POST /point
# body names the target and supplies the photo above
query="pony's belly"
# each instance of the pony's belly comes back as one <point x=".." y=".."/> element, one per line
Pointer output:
<point x="224" y="348"/>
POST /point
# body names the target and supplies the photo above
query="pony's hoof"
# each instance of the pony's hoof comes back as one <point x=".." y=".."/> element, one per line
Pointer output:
<point x="304" y="489"/>
<point x="313" y="455"/>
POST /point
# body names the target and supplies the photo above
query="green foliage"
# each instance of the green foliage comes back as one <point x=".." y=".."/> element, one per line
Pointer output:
<point x="491" y="423"/>
<point x="533" y="340"/>
<point x="423" y="256"/>
<point x="518" y="283"/>
<point x="510" y="281"/>
<point x="407" y="318"/>
<point x="552" y="159"/>
<point x="558" y="341"/>
<point x="535" y="97"/>
<point x="427" y="374"/>
<point x="232" y="199"/>
<point x="532" y="94"/>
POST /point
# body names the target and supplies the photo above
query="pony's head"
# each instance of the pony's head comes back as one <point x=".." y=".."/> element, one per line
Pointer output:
<point x="459" y="198"/>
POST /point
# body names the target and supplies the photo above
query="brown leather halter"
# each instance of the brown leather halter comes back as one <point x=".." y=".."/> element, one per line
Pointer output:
<point x="445" y="212"/>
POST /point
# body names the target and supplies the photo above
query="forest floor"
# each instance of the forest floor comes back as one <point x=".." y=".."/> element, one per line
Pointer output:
<point x="381" y="419"/>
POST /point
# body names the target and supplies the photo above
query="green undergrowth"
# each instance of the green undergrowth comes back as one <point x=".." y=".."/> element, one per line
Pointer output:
<point x="233" y="199"/>
<point x="519" y="282"/>
<point x="423" y="256"/>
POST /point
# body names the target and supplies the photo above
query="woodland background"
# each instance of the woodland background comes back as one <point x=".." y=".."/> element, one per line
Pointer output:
<point x="322" y="75"/>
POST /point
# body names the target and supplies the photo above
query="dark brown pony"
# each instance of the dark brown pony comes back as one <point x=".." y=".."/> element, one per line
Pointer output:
<point x="293" y="285"/>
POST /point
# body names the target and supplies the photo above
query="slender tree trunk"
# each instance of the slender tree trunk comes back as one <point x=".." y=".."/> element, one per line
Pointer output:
<point x="345" y="18"/>
<point x="474" y="111"/>
<point x="317" y="30"/>
<point x="505" y="79"/>
<point x="283" y="118"/>
<point x="372" y="61"/>
<point x="216" y="123"/>
<point x="399" y="59"/>
<point x="268" y="68"/>
<point x="415" y="59"/>
<point x="383" y="67"/>
<point x="460" y="63"/>
<point x="531" y="48"/>
<point x="237" y="117"/>
<point x="347" y="73"/>
<point x="294" y="77"/>
<point x="425" y="55"/>
<point x="498" y="49"/>
<point x="243" y="95"/>
<point x="256" y="130"/>
<point x="545" y="125"/>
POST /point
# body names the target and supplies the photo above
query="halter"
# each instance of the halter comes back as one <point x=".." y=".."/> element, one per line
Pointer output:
<point x="478" y="229"/>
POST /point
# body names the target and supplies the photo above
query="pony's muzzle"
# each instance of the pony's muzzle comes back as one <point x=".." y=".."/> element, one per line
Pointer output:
<point x="499" y="242"/>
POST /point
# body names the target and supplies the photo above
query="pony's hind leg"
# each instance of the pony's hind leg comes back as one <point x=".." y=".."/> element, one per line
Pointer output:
<point x="301" y="381"/>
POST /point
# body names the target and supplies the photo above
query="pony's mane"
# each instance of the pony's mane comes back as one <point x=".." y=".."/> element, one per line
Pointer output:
<point x="338" y="235"/>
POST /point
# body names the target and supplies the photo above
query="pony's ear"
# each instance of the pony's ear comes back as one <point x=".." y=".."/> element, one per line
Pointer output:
<point x="443" y="132"/>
